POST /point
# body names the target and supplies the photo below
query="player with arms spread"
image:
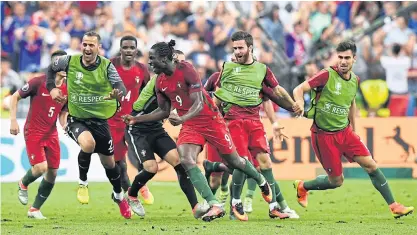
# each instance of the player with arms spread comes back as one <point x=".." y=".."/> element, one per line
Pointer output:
<point x="179" y="85"/>
<point x="238" y="94"/>
<point x="93" y="87"/>
<point x="333" y="130"/>
<point x="41" y="136"/>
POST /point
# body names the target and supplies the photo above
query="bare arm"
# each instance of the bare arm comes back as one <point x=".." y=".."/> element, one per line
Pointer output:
<point x="352" y="114"/>
<point x="283" y="95"/>
<point x="269" y="111"/>
<point x="198" y="105"/>
<point x="299" y="91"/>
<point x="13" y="105"/>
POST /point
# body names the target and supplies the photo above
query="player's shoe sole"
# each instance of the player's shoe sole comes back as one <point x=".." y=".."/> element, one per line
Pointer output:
<point x="409" y="211"/>
<point x="82" y="194"/>
<point x="215" y="212"/>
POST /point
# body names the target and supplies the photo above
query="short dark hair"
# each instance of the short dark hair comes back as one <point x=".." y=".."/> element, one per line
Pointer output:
<point x="165" y="49"/>
<point x="396" y="48"/>
<point x="178" y="52"/>
<point x="242" y="35"/>
<point x="347" y="45"/>
<point x="58" y="53"/>
<point x="128" y="37"/>
<point x="93" y="34"/>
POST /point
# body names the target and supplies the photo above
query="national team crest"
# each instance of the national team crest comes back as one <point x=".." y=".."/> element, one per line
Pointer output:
<point x="237" y="69"/>
<point x="338" y="88"/>
<point x="137" y="79"/>
<point x="178" y="85"/>
<point x="79" y="76"/>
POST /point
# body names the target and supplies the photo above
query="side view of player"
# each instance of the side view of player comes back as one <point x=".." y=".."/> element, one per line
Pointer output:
<point x="147" y="138"/>
<point x="333" y="130"/>
<point x="178" y="85"/>
<point x="94" y="90"/>
<point x="41" y="136"/>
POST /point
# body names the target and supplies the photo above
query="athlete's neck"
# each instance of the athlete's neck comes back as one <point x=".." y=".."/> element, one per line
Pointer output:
<point x="127" y="64"/>
<point x="250" y="60"/>
<point x="85" y="63"/>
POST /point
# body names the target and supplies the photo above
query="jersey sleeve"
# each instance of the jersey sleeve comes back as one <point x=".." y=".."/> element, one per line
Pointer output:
<point x="270" y="79"/>
<point x="266" y="92"/>
<point x="58" y="65"/>
<point x="319" y="80"/>
<point x="211" y="82"/>
<point x="146" y="75"/>
<point x="31" y="88"/>
<point x="192" y="78"/>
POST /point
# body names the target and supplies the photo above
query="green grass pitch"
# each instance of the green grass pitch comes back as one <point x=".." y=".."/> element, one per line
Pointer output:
<point x="355" y="208"/>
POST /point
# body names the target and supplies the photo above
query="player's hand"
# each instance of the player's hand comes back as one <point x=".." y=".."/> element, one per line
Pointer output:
<point x="14" y="127"/>
<point x="174" y="119"/>
<point x="129" y="119"/>
<point x="61" y="75"/>
<point x="56" y="95"/>
<point x="278" y="131"/>
<point x="115" y="94"/>
<point x="298" y="108"/>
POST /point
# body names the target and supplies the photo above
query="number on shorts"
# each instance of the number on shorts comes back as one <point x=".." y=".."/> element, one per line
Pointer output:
<point x="111" y="145"/>
<point x="126" y="97"/>
<point x="51" y="111"/>
<point x="178" y="99"/>
<point x="227" y="138"/>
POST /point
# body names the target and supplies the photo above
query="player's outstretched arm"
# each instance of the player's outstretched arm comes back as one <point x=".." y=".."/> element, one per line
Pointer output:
<point x="287" y="100"/>
<point x="160" y="113"/>
<point x="352" y="114"/>
<point x="14" y="126"/>
<point x="276" y="128"/>
<point x="115" y="80"/>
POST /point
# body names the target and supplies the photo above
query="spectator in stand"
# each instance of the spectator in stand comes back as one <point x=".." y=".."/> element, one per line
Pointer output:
<point x="30" y="48"/>
<point x="396" y="66"/>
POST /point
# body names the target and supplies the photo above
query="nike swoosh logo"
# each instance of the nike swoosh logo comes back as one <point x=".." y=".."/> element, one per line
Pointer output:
<point x="384" y="183"/>
<point x="42" y="196"/>
<point x="43" y="94"/>
<point x="163" y="89"/>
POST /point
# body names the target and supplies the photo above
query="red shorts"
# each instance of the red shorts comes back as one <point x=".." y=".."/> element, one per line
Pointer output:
<point x="44" y="150"/>
<point x="212" y="154"/>
<point x="212" y="131"/>
<point x="330" y="147"/>
<point x="249" y="137"/>
<point x="119" y="144"/>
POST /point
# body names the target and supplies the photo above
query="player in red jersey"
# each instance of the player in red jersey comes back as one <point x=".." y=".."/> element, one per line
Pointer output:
<point x="41" y="136"/>
<point x="179" y="85"/>
<point x="214" y="164"/>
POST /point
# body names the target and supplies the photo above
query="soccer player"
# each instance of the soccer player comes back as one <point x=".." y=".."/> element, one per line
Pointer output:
<point x="147" y="138"/>
<point x="333" y="130"/>
<point x="239" y="89"/>
<point x="41" y="136"/>
<point x="134" y="76"/>
<point x="179" y="85"/>
<point x="94" y="89"/>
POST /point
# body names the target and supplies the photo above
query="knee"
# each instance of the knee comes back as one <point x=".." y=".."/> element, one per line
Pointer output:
<point x="336" y="181"/>
<point x="87" y="142"/>
<point x="40" y="168"/>
<point x="187" y="162"/>
<point x="370" y="166"/>
<point x="107" y="161"/>
<point x="215" y="180"/>
<point x="264" y="160"/>
<point x="51" y="175"/>
<point x="151" y="166"/>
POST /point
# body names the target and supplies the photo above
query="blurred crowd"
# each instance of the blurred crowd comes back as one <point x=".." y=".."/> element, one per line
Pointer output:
<point x="293" y="32"/>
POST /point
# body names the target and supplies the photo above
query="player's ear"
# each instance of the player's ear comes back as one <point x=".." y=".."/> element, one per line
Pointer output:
<point x="99" y="46"/>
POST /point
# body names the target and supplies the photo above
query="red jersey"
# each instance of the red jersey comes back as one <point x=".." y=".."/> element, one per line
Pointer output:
<point x="237" y="112"/>
<point x="43" y="111"/>
<point x="178" y="87"/>
<point x="134" y="80"/>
